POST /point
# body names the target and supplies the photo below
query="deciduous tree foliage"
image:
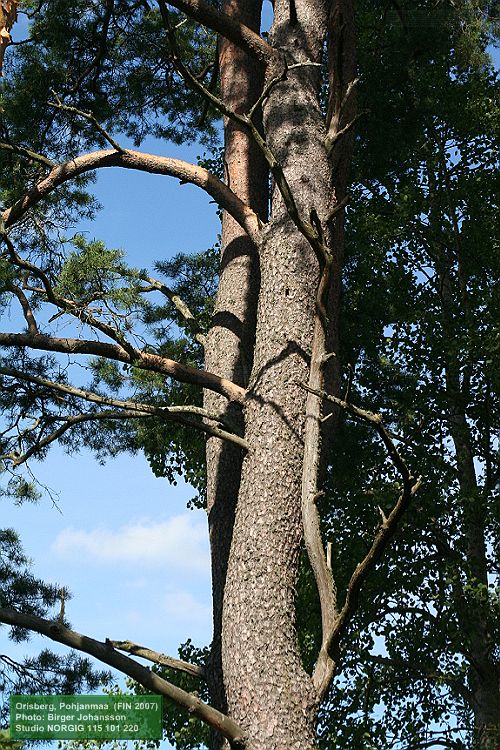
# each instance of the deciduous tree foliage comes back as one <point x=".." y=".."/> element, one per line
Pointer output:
<point x="334" y="423"/>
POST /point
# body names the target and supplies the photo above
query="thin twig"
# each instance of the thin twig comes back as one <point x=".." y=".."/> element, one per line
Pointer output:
<point x="86" y="116"/>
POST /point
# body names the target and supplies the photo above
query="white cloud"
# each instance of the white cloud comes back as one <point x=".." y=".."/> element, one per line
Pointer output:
<point x="182" y="607"/>
<point x="180" y="542"/>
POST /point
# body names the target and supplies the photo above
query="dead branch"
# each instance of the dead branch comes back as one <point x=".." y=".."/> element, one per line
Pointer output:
<point x="191" y="416"/>
<point x="58" y="104"/>
<point x="334" y="134"/>
<point x="182" y="308"/>
<point x="386" y="531"/>
<point x="105" y="652"/>
<point x="71" y="421"/>
<point x="306" y="228"/>
<point x="166" y="661"/>
<point x="320" y="565"/>
<point x="25" y="306"/>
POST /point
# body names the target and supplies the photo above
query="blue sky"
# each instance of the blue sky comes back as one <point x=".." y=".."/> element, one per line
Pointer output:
<point x="135" y="559"/>
<point x="121" y="540"/>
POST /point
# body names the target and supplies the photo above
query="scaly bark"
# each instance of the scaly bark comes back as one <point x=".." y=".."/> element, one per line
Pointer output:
<point x="266" y="685"/>
<point x="231" y="338"/>
<point x="8" y="16"/>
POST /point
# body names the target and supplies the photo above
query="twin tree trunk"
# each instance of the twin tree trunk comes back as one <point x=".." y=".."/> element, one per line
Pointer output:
<point x="268" y="320"/>
<point x="261" y="339"/>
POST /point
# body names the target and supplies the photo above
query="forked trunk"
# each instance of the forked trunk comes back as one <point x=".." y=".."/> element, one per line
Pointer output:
<point x="229" y="348"/>
<point x="267" y="689"/>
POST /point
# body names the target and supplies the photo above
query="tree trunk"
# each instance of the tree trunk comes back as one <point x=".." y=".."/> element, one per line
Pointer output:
<point x="231" y="339"/>
<point x="8" y="16"/>
<point x="475" y="617"/>
<point x="474" y="608"/>
<point x="268" y="691"/>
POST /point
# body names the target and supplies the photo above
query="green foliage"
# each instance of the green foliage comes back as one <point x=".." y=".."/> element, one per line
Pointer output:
<point x="419" y="320"/>
<point x="6" y="743"/>
<point x="419" y="330"/>
<point x="183" y="732"/>
<point x="47" y="672"/>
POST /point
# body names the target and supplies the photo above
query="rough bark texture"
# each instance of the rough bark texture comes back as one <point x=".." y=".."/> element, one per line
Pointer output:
<point x="8" y="15"/>
<point x="269" y="693"/>
<point x="230" y="342"/>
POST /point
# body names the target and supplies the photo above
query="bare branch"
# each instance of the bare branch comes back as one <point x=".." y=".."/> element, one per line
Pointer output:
<point x="25" y="305"/>
<point x="142" y="360"/>
<point x="167" y="661"/>
<point x="246" y="121"/>
<point x="191" y="416"/>
<point x="105" y="652"/>
<point x="320" y="564"/>
<point x="130" y="159"/>
<point x="90" y="118"/>
<point x="334" y="135"/>
<point x="182" y="308"/>
<point x="384" y="534"/>
<point x="73" y="420"/>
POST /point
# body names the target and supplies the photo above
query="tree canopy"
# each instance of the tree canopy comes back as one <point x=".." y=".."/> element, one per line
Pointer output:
<point x="344" y="329"/>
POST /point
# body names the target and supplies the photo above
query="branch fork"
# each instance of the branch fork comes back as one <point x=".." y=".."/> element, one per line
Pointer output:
<point x="334" y="622"/>
<point x="105" y="651"/>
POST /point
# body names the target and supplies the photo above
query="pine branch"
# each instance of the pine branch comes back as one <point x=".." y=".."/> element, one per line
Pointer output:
<point x="182" y="308"/>
<point x="101" y="52"/>
<point x="191" y="416"/>
<point x="105" y="652"/>
<point x="142" y="360"/>
<point x="58" y="104"/>
<point x="131" y="159"/>
<point x="65" y="305"/>
<point x="27" y="153"/>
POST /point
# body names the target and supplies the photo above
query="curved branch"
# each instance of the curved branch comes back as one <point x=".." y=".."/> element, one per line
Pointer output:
<point x="105" y="652"/>
<point x="26" y="308"/>
<point x="386" y="530"/>
<point x="142" y="360"/>
<point x="188" y="319"/>
<point x="134" y="413"/>
<point x="153" y="164"/>
<point x="242" y="36"/>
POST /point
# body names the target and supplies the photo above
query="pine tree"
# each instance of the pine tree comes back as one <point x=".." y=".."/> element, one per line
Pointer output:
<point x="270" y="361"/>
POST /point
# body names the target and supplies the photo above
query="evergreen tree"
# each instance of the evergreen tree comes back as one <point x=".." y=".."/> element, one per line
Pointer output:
<point x="276" y="402"/>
